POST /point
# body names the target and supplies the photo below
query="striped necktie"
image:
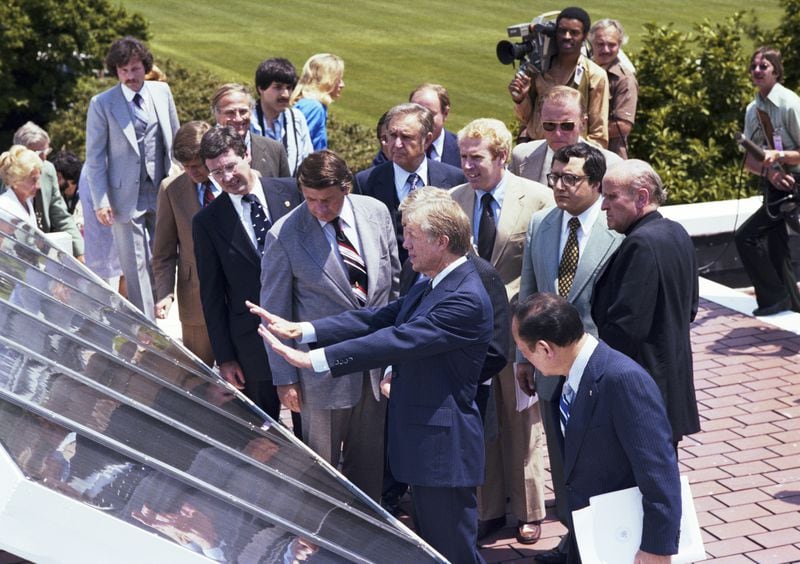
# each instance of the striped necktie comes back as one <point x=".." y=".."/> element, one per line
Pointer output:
<point x="356" y="269"/>
<point x="567" y="396"/>
<point x="208" y="193"/>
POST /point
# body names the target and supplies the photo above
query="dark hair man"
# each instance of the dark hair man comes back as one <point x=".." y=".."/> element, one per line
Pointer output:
<point x="568" y="67"/>
<point x="336" y="252"/>
<point x="273" y="118"/>
<point x="772" y="121"/>
<point x="129" y="131"/>
<point x="228" y="237"/>
<point x="179" y="199"/>
<point x="610" y="418"/>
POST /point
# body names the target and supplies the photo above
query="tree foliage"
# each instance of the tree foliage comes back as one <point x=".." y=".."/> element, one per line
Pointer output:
<point x="693" y="90"/>
<point x="47" y="46"/>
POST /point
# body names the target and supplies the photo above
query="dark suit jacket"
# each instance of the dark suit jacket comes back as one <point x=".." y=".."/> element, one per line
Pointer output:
<point x="617" y="437"/>
<point x="378" y="182"/>
<point x="229" y="269"/>
<point x="497" y="355"/>
<point x="436" y="345"/>
<point x="269" y="156"/>
<point x="643" y="304"/>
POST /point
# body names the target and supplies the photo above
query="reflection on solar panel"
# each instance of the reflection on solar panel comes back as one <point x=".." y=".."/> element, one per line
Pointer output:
<point x="125" y="436"/>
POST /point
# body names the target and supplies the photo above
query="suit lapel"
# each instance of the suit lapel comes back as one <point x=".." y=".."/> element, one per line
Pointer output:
<point x="509" y="217"/>
<point x="534" y="163"/>
<point x="598" y="248"/>
<point x="161" y="108"/>
<point x="316" y="245"/>
<point x="580" y="413"/>
<point x="119" y="108"/>
<point x="239" y="239"/>
<point x="549" y="236"/>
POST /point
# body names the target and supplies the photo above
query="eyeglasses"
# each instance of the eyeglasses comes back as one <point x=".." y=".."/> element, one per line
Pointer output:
<point x="761" y="67"/>
<point x="223" y="171"/>
<point x="568" y="180"/>
<point x="564" y="125"/>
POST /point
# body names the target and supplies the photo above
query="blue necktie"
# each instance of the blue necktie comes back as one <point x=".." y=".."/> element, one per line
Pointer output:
<point x="564" y="404"/>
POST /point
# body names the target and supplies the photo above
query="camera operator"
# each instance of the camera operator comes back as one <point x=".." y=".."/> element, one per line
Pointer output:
<point x="606" y="37"/>
<point x="772" y="121"/>
<point x="568" y="67"/>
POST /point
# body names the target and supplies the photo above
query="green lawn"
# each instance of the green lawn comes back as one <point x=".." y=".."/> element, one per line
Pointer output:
<point x="389" y="47"/>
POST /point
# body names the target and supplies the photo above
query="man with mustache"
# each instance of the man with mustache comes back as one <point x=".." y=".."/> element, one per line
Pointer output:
<point x="129" y="131"/>
<point x="273" y="118"/>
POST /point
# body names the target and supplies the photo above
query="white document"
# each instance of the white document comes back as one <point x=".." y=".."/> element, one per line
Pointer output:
<point x="609" y="529"/>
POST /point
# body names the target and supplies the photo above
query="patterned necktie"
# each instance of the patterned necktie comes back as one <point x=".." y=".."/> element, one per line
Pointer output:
<point x="569" y="260"/>
<point x="140" y="115"/>
<point x="487" y="230"/>
<point x="356" y="270"/>
<point x="413" y="182"/>
<point x="564" y="405"/>
<point x="208" y="193"/>
<point x="261" y="223"/>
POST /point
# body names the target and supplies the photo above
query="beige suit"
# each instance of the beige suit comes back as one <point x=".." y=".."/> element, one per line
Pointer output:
<point x="528" y="159"/>
<point x="514" y="461"/>
<point x="173" y="247"/>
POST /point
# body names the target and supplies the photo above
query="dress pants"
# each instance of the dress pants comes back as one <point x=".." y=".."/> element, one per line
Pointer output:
<point x="133" y="240"/>
<point x="447" y="519"/>
<point x="352" y="435"/>
<point x="514" y="458"/>
<point x="195" y="338"/>
<point x="763" y="245"/>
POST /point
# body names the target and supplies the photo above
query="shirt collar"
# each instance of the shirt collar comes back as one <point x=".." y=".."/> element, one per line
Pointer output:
<point x="438" y="144"/>
<point x="579" y="364"/>
<point x="401" y="174"/>
<point x="587" y="218"/>
<point x="498" y="192"/>
<point x="346" y="215"/>
<point x="447" y="270"/>
<point x="129" y="94"/>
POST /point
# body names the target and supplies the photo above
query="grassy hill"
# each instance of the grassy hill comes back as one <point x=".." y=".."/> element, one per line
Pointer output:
<point x="389" y="47"/>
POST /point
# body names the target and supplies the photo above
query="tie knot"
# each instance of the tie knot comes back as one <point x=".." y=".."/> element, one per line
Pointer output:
<point x="137" y="99"/>
<point x="574" y="224"/>
<point x="250" y="198"/>
<point x="337" y="226"/>
<point x="487" y="199"/>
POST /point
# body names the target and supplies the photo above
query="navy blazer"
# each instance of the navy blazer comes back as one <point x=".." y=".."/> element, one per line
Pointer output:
<point x="643" y="304"/>
<point x="229" y="271"/>
<point x="618" y="437"/>
<point x="436" y="345"/>
<point x="378" y="182"/>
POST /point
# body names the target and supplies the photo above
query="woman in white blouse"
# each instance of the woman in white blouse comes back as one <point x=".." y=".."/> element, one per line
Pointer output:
<point x="20" y="169"/>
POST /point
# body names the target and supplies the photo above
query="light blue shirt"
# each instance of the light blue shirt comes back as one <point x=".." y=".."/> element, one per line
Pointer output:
<point x="498" y="194"/>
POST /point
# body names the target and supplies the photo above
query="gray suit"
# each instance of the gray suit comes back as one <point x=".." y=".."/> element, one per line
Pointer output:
<point x="527" y="159"/>
<point x="305" y="280"/>
<point x="539" y="274"/>
<point x="268" y="157"/>
<point x="124" y="174"/>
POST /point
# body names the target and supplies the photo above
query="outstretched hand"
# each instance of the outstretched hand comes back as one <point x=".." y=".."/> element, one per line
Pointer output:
<point x="276" y="324"/>
<point x="300" y="359"/>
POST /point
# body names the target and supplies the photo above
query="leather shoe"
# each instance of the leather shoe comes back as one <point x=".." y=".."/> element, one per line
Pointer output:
<point x="529" y="533"/>
<point x="771" y="310"/>
<point x="551" y="557"/>
<point x="486" y="528"/>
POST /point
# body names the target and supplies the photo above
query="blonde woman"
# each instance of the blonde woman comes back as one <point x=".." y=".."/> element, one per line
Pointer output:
<point x="20" y="169"/>
<point x="320" y="84"/>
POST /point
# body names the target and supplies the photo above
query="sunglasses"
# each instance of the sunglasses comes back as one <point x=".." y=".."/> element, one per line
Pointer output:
<point x="761" y="67"/>
<point x="564" y="125"/>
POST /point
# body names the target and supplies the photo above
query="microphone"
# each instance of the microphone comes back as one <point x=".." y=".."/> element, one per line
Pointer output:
<point x="749" y="146"/>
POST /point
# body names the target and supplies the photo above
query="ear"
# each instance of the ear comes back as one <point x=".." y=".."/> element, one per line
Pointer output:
<point x="428" y="139"/>
<point x="642" y="198"/>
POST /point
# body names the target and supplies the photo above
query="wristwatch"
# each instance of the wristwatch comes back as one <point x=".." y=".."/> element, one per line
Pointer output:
<point x="781" y="156"/>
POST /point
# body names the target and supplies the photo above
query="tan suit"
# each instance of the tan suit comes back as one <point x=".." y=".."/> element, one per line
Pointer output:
<point x="514" y="461"/>
<point x="173" y="247"/>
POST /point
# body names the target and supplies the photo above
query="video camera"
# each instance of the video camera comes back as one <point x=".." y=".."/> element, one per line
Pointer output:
<point x="536" y="47"/>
